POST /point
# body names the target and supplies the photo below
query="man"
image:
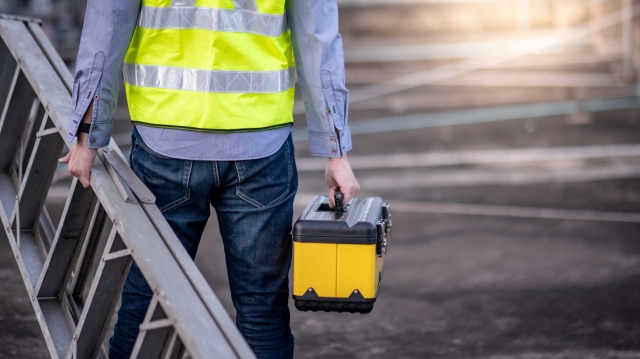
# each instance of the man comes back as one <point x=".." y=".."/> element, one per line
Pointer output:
<point x="210" y="90"/>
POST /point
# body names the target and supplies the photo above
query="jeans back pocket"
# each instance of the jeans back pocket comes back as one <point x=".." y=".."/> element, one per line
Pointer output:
<point x="266" y="181"/>
<point x="167" y="178"/>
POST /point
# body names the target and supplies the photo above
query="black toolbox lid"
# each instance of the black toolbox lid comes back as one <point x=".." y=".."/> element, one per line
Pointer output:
<point x="358" y="225"/>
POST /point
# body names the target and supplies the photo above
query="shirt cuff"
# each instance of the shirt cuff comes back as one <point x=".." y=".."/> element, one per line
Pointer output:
<point x="329" y="144"/>
<point x="99" y="134"/>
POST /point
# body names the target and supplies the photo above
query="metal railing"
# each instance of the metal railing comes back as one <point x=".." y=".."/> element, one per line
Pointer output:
<point x="74" y="271"/>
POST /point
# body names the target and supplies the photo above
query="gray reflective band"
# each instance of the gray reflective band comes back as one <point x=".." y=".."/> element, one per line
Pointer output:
<point x="195" y="17"/>
<point x="209" y="81"/>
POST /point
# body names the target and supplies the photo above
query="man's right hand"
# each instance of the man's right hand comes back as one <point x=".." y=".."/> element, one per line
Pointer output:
<point x="340" y="176"/>
<point x="80" y="159"/>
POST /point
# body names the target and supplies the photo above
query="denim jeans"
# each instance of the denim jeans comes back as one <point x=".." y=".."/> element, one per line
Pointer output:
<point x="253" y="201"/>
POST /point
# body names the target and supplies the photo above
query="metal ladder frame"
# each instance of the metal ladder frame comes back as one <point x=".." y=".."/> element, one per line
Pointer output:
<point x="74" y="271"/>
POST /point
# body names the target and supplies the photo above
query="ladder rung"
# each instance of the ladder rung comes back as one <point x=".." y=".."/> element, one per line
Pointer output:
<point x="31" y="258"/>
<point x="57" y="325"/>
<point x="27" y="142"/>
<point x="38" y="177"/>
<point x="68" y="240"/>
<point x="174" y="348"/>
<point x="102" y="299"/>
<point x="7" y="193"/>
<point x="7" y="73"/>
<point x="45" y="230"/>
<point x="15" y="119"/>
<point x="98" y="222"/>
<point x="155" y="332"/>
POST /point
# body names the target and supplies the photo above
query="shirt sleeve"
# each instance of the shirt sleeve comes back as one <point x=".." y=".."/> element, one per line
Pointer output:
<point x="106" y="34"/>
<point x="317" y="48"/>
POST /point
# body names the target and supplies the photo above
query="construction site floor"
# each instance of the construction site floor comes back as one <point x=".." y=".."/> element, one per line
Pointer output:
<point x="461" y="286"/>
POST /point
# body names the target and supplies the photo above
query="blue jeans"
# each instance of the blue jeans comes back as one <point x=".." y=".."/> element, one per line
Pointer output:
<point x="253" y="200"/>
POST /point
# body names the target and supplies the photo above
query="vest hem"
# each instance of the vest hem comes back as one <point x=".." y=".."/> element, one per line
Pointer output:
<point x="213" y="130"/>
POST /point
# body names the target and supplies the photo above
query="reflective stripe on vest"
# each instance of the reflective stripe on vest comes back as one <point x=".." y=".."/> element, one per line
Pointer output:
<point x="182" y="17"/>
<point x="211" y="69"/>
<point x="209" y="81"/>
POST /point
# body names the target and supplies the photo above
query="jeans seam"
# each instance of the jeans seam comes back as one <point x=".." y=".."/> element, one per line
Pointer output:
<point x="216" y="175"/>
<point x="240" y="172"/>
<point x="133" y="151"/>
<point x="247" y="199"/>
<point x="288" y="165"/>
<point x="284" y="194"/>
<point x="186" y="175"/>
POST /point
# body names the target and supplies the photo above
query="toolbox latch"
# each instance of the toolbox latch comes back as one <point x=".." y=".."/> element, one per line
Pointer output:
<point x="381" y="243"/>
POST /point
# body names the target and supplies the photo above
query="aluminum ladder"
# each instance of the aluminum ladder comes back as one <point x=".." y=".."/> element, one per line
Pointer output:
<point x="74" y="271"/>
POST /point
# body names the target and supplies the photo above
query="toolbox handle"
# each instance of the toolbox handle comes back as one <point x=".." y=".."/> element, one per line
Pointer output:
<point x="339" y="201"/>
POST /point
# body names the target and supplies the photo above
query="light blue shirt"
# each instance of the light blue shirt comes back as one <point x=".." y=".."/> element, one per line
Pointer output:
<point x="317" y="46"/>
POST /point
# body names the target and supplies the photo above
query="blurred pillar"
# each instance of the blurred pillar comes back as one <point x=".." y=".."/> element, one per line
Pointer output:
<point x="522" y="14"/>
<point x="627" y="40"/>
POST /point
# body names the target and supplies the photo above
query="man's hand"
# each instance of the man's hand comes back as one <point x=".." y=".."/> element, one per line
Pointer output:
<point x="340" y="176"/>
<point x="80" y="159"/>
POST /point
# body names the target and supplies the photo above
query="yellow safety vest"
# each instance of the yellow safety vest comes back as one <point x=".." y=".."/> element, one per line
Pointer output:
<point x="211" y="65"/>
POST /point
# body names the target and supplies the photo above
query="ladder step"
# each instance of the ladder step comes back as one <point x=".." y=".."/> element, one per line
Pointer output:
<point x="15" y="118"/>
<point x="102" y="299"/>
<point x="68" y="240"/>
<point x="45" y="230"/>
<point x="7" y="72"/>
<point x="31" y="256"/>
<point x="156" y="332"/>
<point x="38" y="177"/>
<point x="27" y="143"/>
<point x="82" y="272"/>
<point x="56" y="324"/>
<point x="8" y="193"/>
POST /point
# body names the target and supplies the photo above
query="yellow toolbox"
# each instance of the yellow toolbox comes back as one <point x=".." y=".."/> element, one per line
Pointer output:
<point x="338" y="254"/>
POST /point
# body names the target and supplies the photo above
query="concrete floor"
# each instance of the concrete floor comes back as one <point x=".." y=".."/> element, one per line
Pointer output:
<point x="464" y="286"/>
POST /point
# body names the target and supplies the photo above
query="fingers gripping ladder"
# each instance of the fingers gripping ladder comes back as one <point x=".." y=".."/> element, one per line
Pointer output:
<point x="74" y="271"/>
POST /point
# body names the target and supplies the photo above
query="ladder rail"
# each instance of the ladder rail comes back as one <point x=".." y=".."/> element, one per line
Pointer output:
<point x="74" y="270"/>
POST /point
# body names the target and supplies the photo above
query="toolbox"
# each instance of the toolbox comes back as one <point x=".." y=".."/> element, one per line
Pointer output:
<point x="338" y="254"/>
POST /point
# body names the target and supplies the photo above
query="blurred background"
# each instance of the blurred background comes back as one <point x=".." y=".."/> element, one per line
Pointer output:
<point x="505" y="134"/>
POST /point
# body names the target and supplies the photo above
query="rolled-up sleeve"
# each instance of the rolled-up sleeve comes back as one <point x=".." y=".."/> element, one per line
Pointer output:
<point x="106" y="34"/>
<point x="317" y="47"/>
